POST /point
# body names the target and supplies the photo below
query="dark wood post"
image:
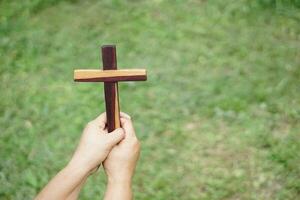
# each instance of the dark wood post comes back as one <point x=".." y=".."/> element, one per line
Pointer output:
<point x="109" y="59"/>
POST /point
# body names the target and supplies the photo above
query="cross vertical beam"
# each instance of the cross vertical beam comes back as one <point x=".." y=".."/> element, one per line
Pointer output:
<point x="109" y="59"/>
<point x="110" y="75"/>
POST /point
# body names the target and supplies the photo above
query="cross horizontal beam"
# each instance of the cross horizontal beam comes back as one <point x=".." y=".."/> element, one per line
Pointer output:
<point x="93" y="75"/>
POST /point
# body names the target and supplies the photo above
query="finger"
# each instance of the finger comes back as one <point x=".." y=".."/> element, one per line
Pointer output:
<point x="116" y="136"/>
<point x="105" y="130"/>
<point x="125" y="115"/>
<point x="128" y="127"/>
<point x="101" y="120"/>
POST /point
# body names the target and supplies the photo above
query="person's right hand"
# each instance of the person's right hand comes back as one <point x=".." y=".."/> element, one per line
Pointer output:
<point x="121" y="161"/>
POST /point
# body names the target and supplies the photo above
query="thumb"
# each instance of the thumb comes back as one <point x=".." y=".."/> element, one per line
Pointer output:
<point x="116" y="136"/>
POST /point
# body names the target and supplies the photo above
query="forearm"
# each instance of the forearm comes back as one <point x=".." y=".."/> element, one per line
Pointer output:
<point x="64" y="183"/>
<point x="75" y="193"/>
<point x="118" y="190"/>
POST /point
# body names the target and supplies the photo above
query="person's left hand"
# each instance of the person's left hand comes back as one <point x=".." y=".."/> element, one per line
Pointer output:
<point x="95" y="144"/>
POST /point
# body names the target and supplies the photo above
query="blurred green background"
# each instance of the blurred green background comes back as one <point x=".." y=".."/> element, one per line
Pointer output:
<point x="218" y="118"/>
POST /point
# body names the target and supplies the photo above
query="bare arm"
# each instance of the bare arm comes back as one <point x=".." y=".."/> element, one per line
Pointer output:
<point x="94" y="146"/>
<point x="75" y="193"/>
<point x="63" y="183"/>
<point x="118" y="190"/>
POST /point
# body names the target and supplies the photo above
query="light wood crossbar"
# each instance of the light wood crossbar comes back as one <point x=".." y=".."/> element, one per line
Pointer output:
<point x="94" y="75"/>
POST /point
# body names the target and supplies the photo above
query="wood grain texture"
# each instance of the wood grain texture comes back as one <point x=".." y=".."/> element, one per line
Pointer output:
<point x="109" y="59"/>
<point x="91" y="75"/>
<point x="110" y="76"/>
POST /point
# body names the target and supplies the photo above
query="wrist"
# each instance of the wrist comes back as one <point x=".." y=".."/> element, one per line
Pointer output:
<point x="121" y="180"/>
<point x="77" y="168"/>
<point x="118" y="188"/>
<point x="119" y="185"/>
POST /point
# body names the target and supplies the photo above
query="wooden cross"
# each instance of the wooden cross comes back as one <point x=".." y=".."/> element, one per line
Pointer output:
<point x="110" y="75"/>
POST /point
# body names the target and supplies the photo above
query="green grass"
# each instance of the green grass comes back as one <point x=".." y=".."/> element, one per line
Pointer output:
<point x="218" y="118"/>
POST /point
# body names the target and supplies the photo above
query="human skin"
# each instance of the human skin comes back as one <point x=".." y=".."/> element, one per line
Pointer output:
<point x="94" y="147"/>
<point x="120" y="164"/>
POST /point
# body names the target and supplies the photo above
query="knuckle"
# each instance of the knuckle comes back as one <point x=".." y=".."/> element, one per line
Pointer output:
<point x="121" y="131"/>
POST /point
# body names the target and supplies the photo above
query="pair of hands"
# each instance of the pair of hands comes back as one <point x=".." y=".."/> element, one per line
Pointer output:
<point x="118" y="150"/>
